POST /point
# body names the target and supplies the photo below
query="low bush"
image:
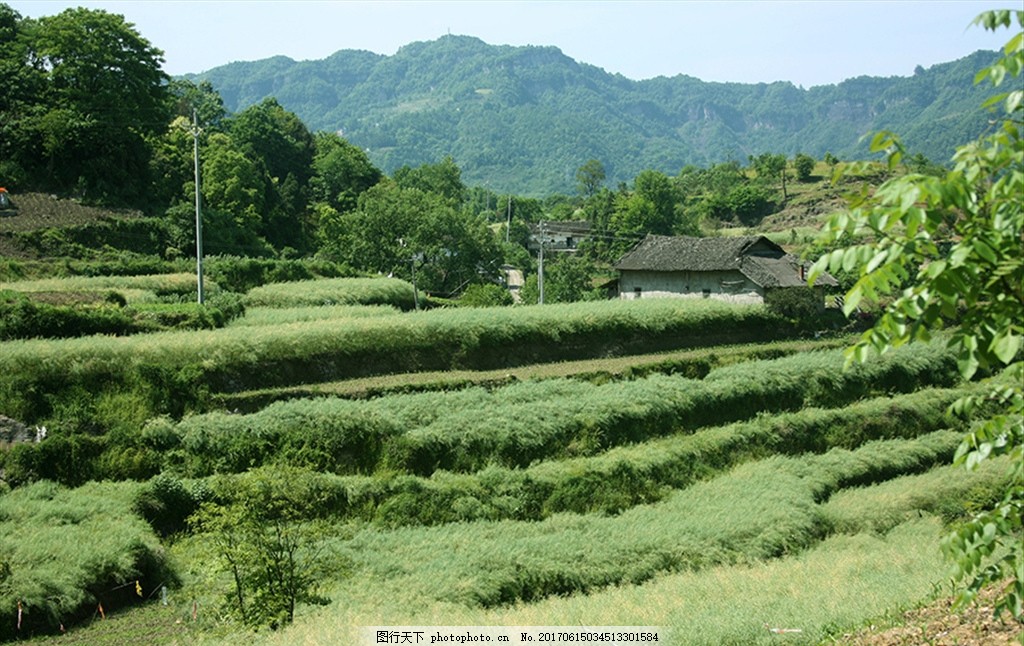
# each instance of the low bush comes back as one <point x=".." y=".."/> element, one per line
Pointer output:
<point x="23" y="318"/>
<point x="241" y="274"/>
<point x="167" y="502"/>
<point x="488" y="295"/>
<point x="140" y="235"/>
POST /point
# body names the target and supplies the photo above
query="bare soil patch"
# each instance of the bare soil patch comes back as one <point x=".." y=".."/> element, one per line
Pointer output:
<point x="937" y="624"/>
<point x="42" y="211"/>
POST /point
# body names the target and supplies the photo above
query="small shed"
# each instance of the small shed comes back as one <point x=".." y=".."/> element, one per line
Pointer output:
<point x="564" y="235"/>
<point x="737" y="269"/>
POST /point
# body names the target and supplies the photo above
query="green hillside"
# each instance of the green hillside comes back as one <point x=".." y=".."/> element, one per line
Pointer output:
<point x="525" y="118"/>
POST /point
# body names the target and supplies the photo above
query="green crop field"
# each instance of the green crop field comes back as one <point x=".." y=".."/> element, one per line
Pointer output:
<point x="711" y="490"/>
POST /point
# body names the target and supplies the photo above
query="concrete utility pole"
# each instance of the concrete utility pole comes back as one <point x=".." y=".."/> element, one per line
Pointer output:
<point x="540" y="266"/>
<point x="199" y="215"/>
<point x="508" y="225"/>
<point x="415" y="292"/>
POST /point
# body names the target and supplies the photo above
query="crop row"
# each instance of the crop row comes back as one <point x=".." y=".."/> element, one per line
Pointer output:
<point x="516" y="425"/>
<point x="610" y="482"/>
<point x="757" y="511"/>
<point x="173" y="372"/>
<point x="63" y="552"/>
<point x="333" y="291"/>
<point x="470" y="429"/>
<point x="133" y="288"/>
<point x="693" y="363"/>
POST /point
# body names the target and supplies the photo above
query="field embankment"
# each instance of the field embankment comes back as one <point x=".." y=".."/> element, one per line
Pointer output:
<point x="175" y="372"/>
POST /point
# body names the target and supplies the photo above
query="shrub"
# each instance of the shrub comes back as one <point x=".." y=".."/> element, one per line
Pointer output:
<point x="485" y="296"/>
<point x="274" y="558"/>
<point x="795" y="303"/>
<point x="166" y="503"/>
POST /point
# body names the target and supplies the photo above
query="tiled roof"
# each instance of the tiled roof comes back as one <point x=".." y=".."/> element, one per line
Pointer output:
<point x="683" y="253"/>
<point x="756" y="257"/>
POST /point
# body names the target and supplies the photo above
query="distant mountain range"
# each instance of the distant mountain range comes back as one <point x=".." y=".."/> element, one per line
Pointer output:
<point x="523" y="119"/>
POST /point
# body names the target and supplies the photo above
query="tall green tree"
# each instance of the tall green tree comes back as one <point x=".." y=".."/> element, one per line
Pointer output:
<point x="443" y="178"/>
<point x="233" y="183"/>
<point x="770" y="166"/>
<point x="341" y="172"/>
<point x="396" y="228"/>
<point x="22" y="83"/>
<point x="657" y="188"/>
<point x="277" y="140"/>
<point x="589" y="178"/>
<point x="649" y="208"/>
<point x="202" y="100"/>
<point x="567" y="279"/>
<point x="803" y="164"/>
<point x="945" y="253"/>
<point x="101" y="93"/>
<point x="172" y="163"/>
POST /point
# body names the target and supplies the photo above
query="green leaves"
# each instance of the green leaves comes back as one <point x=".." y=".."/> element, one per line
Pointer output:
<point x="275" y="557"/>
<point x="945" y="252"/>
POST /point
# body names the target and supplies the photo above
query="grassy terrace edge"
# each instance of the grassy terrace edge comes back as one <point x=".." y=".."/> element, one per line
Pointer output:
<point x="175" y="372"/>
<point x="692" y="363"/>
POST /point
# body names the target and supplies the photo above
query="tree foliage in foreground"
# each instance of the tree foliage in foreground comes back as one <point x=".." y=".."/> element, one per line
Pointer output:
<point x="947" y="250"/>
<point x="274" y="558"/>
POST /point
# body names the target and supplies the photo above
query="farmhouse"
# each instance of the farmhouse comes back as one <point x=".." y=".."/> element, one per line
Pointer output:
<point x="738" y="269"/>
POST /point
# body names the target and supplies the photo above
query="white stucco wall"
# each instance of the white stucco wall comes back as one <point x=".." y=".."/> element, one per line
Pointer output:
<point x="729" y="286"/>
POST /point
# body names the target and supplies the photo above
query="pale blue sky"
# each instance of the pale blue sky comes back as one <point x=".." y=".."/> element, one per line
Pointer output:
<point x="810" y="42"/>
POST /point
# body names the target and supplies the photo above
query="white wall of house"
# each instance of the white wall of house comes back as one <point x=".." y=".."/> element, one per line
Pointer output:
<point x="729" y="286"/>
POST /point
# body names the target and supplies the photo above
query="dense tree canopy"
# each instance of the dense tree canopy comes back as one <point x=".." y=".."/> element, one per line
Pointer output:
<point x="84" y="91"/>
<point x="340" y="172"/>
<point x="443" y="178"/>
<point x="396" y="228"/>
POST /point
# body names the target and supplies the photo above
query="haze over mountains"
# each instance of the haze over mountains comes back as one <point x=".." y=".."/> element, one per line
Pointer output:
<point x="523" y="119"/>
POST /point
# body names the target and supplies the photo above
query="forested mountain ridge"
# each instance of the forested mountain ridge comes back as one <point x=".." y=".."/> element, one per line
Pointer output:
<point x="524" y="119"/>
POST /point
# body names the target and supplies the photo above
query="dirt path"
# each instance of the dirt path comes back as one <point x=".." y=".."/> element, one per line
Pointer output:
<point x="514" y="280"/>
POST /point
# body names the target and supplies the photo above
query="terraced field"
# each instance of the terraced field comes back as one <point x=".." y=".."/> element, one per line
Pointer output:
<point x="713" y="490"/>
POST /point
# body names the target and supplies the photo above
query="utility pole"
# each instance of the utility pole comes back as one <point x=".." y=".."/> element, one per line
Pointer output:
<point x="508" y="225"/>
<point x="540" y="267"/>
<point x="415" y="292"/>
<point x="199" y="215"/>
